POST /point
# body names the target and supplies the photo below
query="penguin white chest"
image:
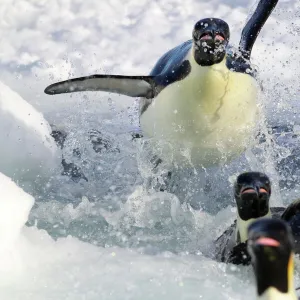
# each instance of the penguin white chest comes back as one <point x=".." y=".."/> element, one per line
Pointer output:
<point x="212" y="112"/>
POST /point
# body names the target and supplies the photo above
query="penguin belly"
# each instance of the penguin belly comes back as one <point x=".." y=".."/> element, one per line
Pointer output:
<point x="211" y="114"/>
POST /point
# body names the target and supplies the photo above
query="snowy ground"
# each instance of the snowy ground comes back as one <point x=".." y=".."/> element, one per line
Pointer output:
<point x="111" y="245"/>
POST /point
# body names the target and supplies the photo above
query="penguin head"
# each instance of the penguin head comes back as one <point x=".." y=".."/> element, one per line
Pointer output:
<point x="210" y="38"/>
<point x="270" y="246"/>
<point x="252" y="194"/>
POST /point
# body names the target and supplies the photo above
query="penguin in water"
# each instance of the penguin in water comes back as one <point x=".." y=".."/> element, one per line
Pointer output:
<point x="200" y="96"/>
<point x="252" y="191"/>
<point x="270" y="245"/>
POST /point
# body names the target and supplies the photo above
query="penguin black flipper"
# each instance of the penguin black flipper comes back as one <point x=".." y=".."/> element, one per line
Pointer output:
<point x="224" y="244"/>
<point x="170" y="68"/>
<point x="292" y="216"/>
<point x="240" y="61"/>
<point x="291" y="211"/>
<point x="239" y="255"/>
<point x="254" y="26"/>
<point x="227" y="252"/>
<point x="133" y="86"/>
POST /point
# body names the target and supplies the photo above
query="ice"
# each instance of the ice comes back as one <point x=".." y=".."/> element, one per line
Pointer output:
<point x="68" y="268"/>
<point x="34" y="266"/>
<point x="75" y="270"/>
<point x="15" y="206"/>
<point x="28" y="152"/>
<point x="40" y="267"/>
<point x="106" y="238"/>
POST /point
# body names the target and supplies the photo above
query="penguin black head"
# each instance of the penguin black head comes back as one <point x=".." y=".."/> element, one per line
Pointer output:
<point x="252" y="194"/>
<point x="270" y="245"/>
<point x="210" y="37"/>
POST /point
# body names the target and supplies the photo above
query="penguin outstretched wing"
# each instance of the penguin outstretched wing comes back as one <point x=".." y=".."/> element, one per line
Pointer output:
<point x="239" y="61"/>
<point x="254" y="26"/>
<point x="170" y="67"/>
<point x="133" y="86"/>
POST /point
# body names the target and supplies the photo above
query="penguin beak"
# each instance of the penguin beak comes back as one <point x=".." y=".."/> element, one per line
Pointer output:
<point x="267" y="242"/>
<point x="264" y="247"/>
<point x="209" y="36"/>
<point x="257" y="190"/>
<point x="269" y="233"/>
<point x="270" y="245"/>
<point x="252" y="201"/>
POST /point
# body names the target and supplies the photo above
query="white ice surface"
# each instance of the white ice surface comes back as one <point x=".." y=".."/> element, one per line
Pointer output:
<point x="15" y="206"/>
<point x="34" y="266"/>
<point x="27" y="150"/>
<point x="44" y="41"/>
<point x="38" y="267"/>
<point x="70" y="269"/>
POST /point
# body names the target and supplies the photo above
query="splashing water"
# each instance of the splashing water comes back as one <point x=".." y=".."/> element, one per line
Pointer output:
<point x="108" y="237"/>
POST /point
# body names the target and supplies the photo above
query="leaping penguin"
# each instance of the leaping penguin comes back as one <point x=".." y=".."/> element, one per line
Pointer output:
<point x="252" y="191"/>
<point x="200" y="96"/>
<point x="271" y="248"/>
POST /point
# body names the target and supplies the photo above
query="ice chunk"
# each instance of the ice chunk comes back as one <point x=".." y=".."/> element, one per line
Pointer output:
<point x="15" y="206"/>
<point x="27" y="148"/>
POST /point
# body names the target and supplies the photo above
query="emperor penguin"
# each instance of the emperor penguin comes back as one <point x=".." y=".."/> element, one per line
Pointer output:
<point x="200" y="97"/>
<point x="252" y="191"/>
<point x="271" y="248"/>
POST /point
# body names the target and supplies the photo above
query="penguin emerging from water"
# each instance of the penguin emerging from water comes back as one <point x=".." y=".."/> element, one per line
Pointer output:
<point x="270" y="245"/>
<point x="252" y="191"/>
<point x="200" y="96"/>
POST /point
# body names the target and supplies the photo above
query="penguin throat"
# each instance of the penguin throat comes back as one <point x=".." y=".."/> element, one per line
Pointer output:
<point x="275" y="279"/>
<point x="241" y="233"/>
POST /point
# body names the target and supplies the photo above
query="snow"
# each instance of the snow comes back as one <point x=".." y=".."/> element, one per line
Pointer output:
<point x="75" y="270"/>
<point x="106" y="239"/>
<point x="27" y="148"/>
<point x="34" y="266"/>
<point x="15" y="206"/>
